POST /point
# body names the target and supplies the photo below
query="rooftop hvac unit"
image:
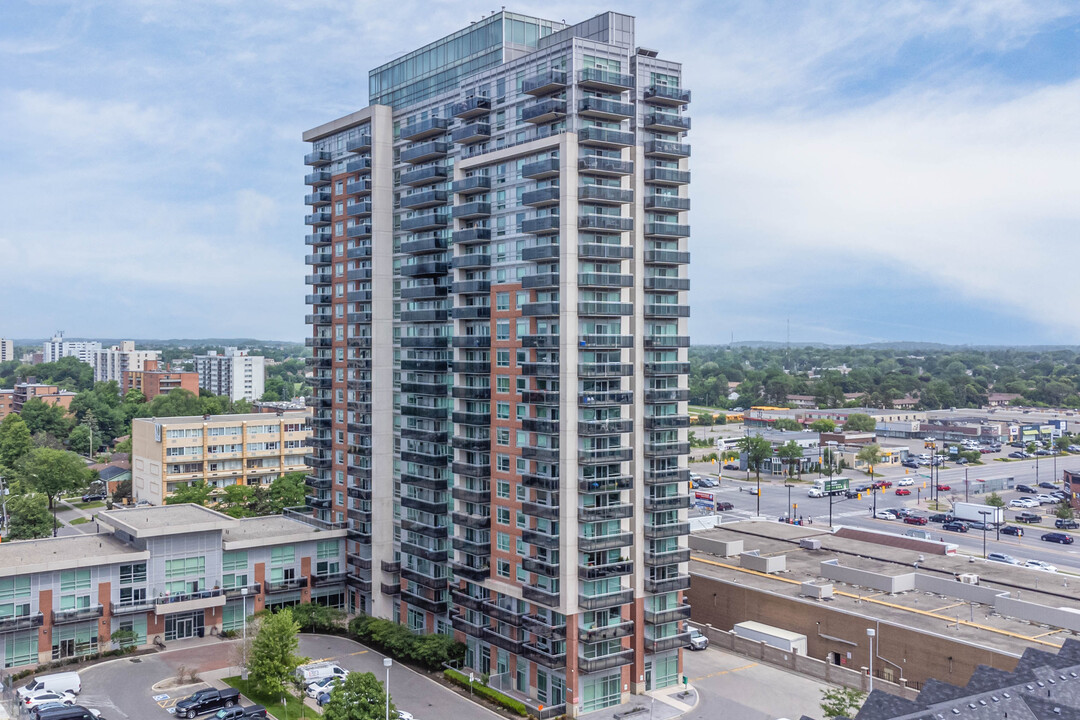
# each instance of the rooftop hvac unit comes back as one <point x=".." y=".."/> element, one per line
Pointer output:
<point x="969" y="578"/>
<point x="810" y="543"/>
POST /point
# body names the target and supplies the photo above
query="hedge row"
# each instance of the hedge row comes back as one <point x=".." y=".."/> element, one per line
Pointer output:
<point x="395" y="640"/>
<point x="487" y="693"/>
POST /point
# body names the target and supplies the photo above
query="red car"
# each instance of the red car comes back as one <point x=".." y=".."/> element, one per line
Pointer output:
<point x="915" y="520"/>
<point x="881" y="484"/>
<point x="944" y="488"/>
<point x="903" y="491"/>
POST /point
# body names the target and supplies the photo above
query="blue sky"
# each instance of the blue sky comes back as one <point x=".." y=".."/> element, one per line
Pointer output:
<point x="865" y="171"/>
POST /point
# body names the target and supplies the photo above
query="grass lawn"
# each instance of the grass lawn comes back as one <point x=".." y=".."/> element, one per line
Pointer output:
<point x="90" y="505"/>
<point x="79" y="521"/>
<point x="293" y="707"/>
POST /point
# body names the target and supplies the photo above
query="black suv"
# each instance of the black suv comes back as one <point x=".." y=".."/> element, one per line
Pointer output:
<point x="1063" y="524"/>
<point x="955" y="526"/>
<point x="1058" y="538"/>
<point x="941" y="518"/>
<point x="1026" y="489"/>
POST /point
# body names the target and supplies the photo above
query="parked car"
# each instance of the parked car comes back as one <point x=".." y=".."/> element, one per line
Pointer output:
<point x="910" y="464"/>
<point x="916" y="520"/>
<point x="1002" y="558"/>
<point x="1026" y="517"/>
<point x="708" y="482"/>
<point x="1048" y="485"/>
<point x="881" y="484"/>
<point x="62" y="682"/>
<point x="1023" y="503"/>
<point x="1063" y="524"/>
<point x="320" y="686"/>
<point x="697" y="640"/>
<point x="955" y="526"/>
<point x="323" y="698"/>
<point x="205" y="701"/>
<point x="251" y="712"/>
<point x="941" y="517"/>
<point x="1063" y="538"/>
<point x="906" y="482"/>
<point x="903" y="491"/>
<point x="885" y="515"/>
<point x="1040" y="565"/>
<point x="66" y="712"/>
<point x="1017" y="455"/>
<point x="980" y="525"/>
<point x="944" y="488"/>
<point x="961" y="461"/>
<point x="731" y="466"/>
<point x="1026" y="489"/>
<point x="1012" y="530"/>
<point x="851" y="494"/>
<point x="402" y="715"/>
<point x="49" y="696"/>
<point x="903" y="512"/>
<point x="1045" y="500"/>
<point x="93" y="497"/>
<point x="724" y="506"/>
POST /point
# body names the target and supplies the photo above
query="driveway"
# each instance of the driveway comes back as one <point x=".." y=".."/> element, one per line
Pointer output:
<point x="122" y="689"/>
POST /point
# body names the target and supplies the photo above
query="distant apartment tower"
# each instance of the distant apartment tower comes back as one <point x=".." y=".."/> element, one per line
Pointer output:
<point x="498" y="297"/>
<point x="7" y="350"/>
<point x="223" y="450"/>
<point x="58" y="347"/>
<point x="112" y="363"/>
<point x="151" y="381"/>
<point x="7" y="402"/>
<point x="236" y="374"/>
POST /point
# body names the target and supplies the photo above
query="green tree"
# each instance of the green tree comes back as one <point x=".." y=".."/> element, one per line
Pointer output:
<point x="1062" y="443"/>
<point x="1064" y="511"/>
<point x="236" y="499"/>
<point x="273" y="653"/>
<point x="79" y="440"/>
<point x="360" y="696"/>
<point x="841" y="702"/>
<point x="757" y="450"/>
<point x="53" y="472"/>
<point x="312" y="617"/>
<point x="122" y="492"/>
<point x="29" y="517"/>
<point x="196" y="493"/>
<point x="871" y="455"/>
<point x="287" y="491"/>
<point x="14" y="440"/>
<point x="39" y="416"/>
<point x="994" y="500"/>
<point x="859" y="422"/>
<point x="791" y="454"/>
<point x="100" y="408"/>
<point x="787" y="424"/>
<point x="824" y="425"/>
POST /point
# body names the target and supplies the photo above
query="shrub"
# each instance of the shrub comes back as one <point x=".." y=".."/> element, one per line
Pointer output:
<point x="487" y="693"/>
<point x="430" y="651"/>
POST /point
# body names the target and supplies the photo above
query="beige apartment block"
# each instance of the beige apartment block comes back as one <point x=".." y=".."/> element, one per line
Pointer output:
<point x="251" y="449"/>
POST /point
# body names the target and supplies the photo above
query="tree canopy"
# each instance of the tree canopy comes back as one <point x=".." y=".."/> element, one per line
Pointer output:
<point x="273" y="653"/>
<point x="52" y="472"/>
<point x="757" y="450"/>
<point x="15" y="440"/>
<point x="29" y="517"/>
<point x="860" y="422"/>
<point x="360" y="696"/>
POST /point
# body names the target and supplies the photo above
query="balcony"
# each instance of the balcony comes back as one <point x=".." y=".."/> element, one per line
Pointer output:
<point x="541" y="169"/>
<point x="595" y="513"/>
<point x="472" y="260"/>
<point x="547" y="658"/>
<point x="359" y="209"/>
<point x="473" y="184"/>
<point x="473" y="470"/>
<point x="667" y="230"/>
<point x="318" y="238"/>
<point x="327" y="580"/>
<point x="424" y="175"/>
<point x="667" y="176"/>
<point x="425" y="152"/>
<point x="540" y="252"/>
<point x="667" y="395"/>
<point x="603" y="137"/>
<point x="471" y="235"/>
<point x="667" y="643"/>
<point x="317" y="198"/>
<point x="476" y="522"/>
<point x="667" y="150"/>
<point x="540" y="309"/>
<point x="459" y="622"/>
<point x="438" y="607"/>
<point x="358" y="187"/>
<point x="321" y="503"/>
<point x="659" y="617"/>
<point x="599" y="165"/>
<point x="614" y="631"/>
<point x="598" y="602"/>
<point x="471" y="107"/>
<point x="660" y="422"/>
<point x="425" y="199"/>
<point x="471" y="312"/>
<point x="667" y="122"/>
<point x="317" y="158"/>
<point x="672" y="584"/>
<point x="666" y="368"/>
<point x="606" y="398"/>
<point x="545" y="83"/>
<point x="604" y="280"/>
<point x="658" y="532"/>
<point x="667" y="257"/>
<point x="540" y="539"/>
<point x="29" y="622"/>
<point x="360" y="143"/>
<point x="605" y="109"/>
<point x="666" y="283"/>
<point x="605" y="308"/>
<point x="540" y="595"/>
<point x="606" y="484"/>
<point x="549" y="427"/>
<point x="359" y="165"/>
<point x="540" y="280"/>
<point x="667" y="502"/>
<point x="432" y="413"/>
<point x="608" y="570"/>
<point x="605" y="194"/>
<point x="433" y="554"/>
<point x="541" y="197"/>
<point x="425" y="269"/>
<point x="286" y="585"/>
<point x="506" y="643"/>
<point x="425" y="245"/>
<point x="543" y="369"/>
<point x="544" y="111"/>
<point x="435" y="583"/>
<point x="476" y="367"/>
<point x="548" y="512"/>
<point x="417" y="503"/>
<point x="605" y="542"/>
<point x="425" y="129"/>
<point x="317" y="178"/>
<point x="666" y="202"/>
<point x="471" y="133"/>
<point x="318" y="219"/>
<point x="472" y="546"/>
<point x="605" y="223"/>
<point x="471" y="210"/>
<point x="390" y="589"/>
<point x="359" y="232"/>
<point x="499" y="612"/>
<point x="664" y="95"/>
<point x="62" y="617"/>
<point x="425" y="221"/>
<point x="541" y="482"/>
<point x="542" y="626"/>
<point x="470" y="572"/>
<point x="605" y="80"/>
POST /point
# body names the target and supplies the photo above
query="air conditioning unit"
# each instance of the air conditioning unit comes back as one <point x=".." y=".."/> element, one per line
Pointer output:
<point x="969" y="578"/>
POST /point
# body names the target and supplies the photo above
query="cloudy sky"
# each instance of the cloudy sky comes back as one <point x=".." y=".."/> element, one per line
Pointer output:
<point x="864" y="171"/>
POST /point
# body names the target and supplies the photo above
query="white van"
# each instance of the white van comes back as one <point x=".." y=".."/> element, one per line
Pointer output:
<point x="318" y="671"/>
<point x="57" y="682"/>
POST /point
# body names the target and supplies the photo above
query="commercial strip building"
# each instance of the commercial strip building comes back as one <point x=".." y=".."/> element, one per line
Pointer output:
<point x="223" y="450"/>
<point x="163" y="573"/>
<point x="56" y="348"/>
<point x="499" y="330"/>
<point x="764" y="416"/>
<point x="235" y="374"/>
<point x="843" y="446"/>
<point x="151" y="381"/>
<point x="935" y="615"/>
<point x="110" y="364"/>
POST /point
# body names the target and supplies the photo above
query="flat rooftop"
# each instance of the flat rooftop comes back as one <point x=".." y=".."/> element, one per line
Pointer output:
<point x="21" y="557"/>
<point x="142" y="522"/>
<point x="273" y="530"/>
<point x="974" y="623"/>
<point x="244" y="417"/>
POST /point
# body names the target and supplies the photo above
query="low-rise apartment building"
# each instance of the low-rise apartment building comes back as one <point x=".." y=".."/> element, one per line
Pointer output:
<point x="7" y="402"/>
<point x="223" y="450"/>
<point x="152" y="381"/>
<point x="112" y="363"/>
<point x="7" y="350"/>
<point x="49" y="394"/>
<point x="165" y="574"/>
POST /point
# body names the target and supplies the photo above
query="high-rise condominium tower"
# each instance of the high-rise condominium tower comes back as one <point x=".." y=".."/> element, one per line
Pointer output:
<point x="499" y="323"/>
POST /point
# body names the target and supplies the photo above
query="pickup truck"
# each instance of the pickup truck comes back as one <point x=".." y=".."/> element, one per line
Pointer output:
<point x="251" y="712"/>
<point x="1026" y="517"/>
<point x="205" y="701"/>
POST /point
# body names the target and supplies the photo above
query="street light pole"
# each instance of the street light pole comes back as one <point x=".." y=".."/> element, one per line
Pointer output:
<point x="788" y="486"/>
<point x="387" y="662"/>
<point x="870" y="634"/>
<point x="984" y="513"/>
<point x="243" y="654"/>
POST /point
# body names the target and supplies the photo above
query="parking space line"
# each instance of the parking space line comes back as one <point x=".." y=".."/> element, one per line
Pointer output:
<point x="168" y="703"/>
<point x="718" y="673"/>
<point x="1052" y="632"/>
<point x="358" y="652"/>
<point x="948" y="606"/>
